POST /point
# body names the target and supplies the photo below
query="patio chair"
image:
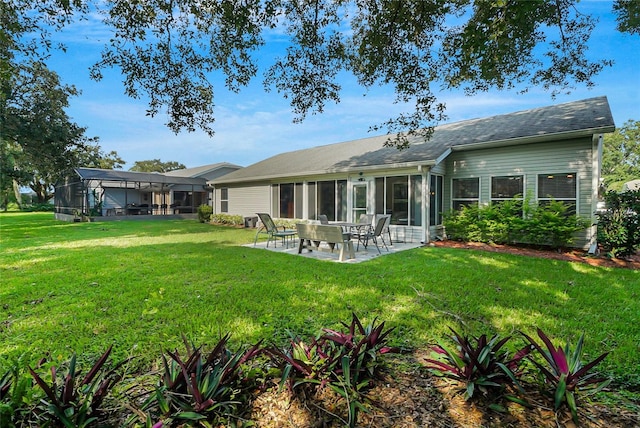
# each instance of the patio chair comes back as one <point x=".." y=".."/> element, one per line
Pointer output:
<point x="365" y="219"/>
<point x="273" y="232"/>
<point x="323" y="219"/>
<point x="385" y="229"/>
<point x="373" y="234"/>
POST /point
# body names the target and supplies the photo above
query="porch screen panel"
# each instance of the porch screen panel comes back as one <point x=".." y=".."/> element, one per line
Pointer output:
<point x="311" y="201"/>
<point x="341" y="191"/>
<point x="327" y="199"/>
<point x="415" y="217"/>
<point x="435" y="200"/>
<point x="397" y="198"/>
<point x="298" y="201"/>
<point x="287" y="200"/>
<point x="379" y="202"/>
<point x="275" y="200"/>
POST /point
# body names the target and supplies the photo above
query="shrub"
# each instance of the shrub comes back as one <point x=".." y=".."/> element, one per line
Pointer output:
<point x="477" y="363"/>
<point x="619" y="225"/>
<point x="564" y="372"/>
<point x="346" y="362"/>
<point x="204" y="213"/>
<point x="70" y="403"/>
<point x="200" y="387"/>
<point x="512" y="222"/>
<point x="550" y="225"/>
<point x="39" y="208"/>
<point x="16" y="393"/>
<point x="227" y="219"/>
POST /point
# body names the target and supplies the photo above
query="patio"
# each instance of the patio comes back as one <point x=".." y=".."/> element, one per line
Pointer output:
<point x="362" y="254"/>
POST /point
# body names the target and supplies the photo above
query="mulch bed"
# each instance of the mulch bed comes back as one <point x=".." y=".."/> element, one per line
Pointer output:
<point x="411" y="397"/>
<point x="572" y="255"/>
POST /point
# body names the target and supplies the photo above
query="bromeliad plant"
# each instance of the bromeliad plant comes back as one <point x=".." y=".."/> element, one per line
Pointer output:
<point x="74" y="404"/>
<point x="477" y="363"/>
<point x="347" y="362"/>
<point x="199" y="388"/>
<point x="564" y="372"/>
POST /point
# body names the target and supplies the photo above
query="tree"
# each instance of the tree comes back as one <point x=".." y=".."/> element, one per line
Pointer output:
<point x="39" y="140"/>
<point x="156" y="165"/>
<point x="94" y="157"/>
<point x="621" y="155"/>
<point x="169" y="50"/>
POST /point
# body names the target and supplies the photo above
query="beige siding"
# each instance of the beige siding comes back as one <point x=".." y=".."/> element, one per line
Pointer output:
<point x="529" y="161"/>
<point x="246" y="201"/>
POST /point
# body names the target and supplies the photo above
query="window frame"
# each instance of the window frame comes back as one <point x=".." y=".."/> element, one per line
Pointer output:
<point x="224" y="199"/>
<point x="458" y="202"/>
<point x="571" y="201"/>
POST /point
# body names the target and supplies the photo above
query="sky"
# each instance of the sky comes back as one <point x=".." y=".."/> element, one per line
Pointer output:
<point x="254" y="125"/>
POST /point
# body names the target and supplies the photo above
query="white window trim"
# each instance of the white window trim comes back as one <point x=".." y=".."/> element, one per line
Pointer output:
<point x="524" y="187"/>
<point x="577" y="198"/>
<point x="478" y="200"/>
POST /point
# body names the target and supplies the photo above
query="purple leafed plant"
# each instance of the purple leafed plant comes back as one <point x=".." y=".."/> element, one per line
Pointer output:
<point x="563" y="370"/>
<point x="72" y="403"/>
<point x="477" y="363"/>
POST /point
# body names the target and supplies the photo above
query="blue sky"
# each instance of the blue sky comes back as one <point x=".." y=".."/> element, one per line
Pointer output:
<point x="253" y="125"/>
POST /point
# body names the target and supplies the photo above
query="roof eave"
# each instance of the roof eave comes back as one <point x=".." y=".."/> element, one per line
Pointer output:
<point x="223" y="180"/>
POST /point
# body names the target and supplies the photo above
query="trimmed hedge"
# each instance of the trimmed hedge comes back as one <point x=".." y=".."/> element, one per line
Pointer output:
<point x="513" y="221"/>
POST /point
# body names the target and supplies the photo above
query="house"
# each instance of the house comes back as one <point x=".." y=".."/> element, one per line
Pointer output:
<point x="548" y="153"/>
<point x="109" y="193"/>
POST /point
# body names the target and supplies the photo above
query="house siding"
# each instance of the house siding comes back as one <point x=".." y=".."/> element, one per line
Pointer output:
<point x="246" y="201"/>
<point x="527" y="160"/>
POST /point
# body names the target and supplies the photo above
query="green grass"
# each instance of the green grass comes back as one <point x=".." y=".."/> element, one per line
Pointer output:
<point x="78" y="287"/>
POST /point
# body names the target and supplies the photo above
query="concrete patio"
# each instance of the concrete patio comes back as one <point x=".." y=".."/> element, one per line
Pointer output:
<point x="362" y="254"/>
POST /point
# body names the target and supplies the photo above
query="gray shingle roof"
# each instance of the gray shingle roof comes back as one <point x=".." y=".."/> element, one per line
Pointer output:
<point x="569" y="120"/>
<point x="200" y="170"/>
<point x="131" y="176"/>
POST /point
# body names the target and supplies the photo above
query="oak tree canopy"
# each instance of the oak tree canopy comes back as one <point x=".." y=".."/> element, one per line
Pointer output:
<point x="169" y="51"/>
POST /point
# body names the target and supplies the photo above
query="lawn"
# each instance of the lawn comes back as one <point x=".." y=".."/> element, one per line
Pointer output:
<point x="139" y="285"/>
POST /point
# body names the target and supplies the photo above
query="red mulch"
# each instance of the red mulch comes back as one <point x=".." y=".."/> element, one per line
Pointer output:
<point x="572" y="255"/>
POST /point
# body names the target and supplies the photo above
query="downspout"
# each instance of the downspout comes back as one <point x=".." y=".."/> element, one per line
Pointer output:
<point x="426" y="193"/>
<point x="595" y="187"/>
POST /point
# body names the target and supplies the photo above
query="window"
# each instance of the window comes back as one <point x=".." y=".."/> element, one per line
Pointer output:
<point x="508" y="188"/>
<point x="224" y="200"/>
<point x="504" y="188"/>
<point x="466" y="191"/>
<point x="558" y="187"/>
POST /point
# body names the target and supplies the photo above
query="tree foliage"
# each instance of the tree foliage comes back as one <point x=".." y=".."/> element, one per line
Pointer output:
<point x="172" y="51"/>
<point x="621" y="155"/>
<point x="40" y="142"/>
<point x="156" y="165"/>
